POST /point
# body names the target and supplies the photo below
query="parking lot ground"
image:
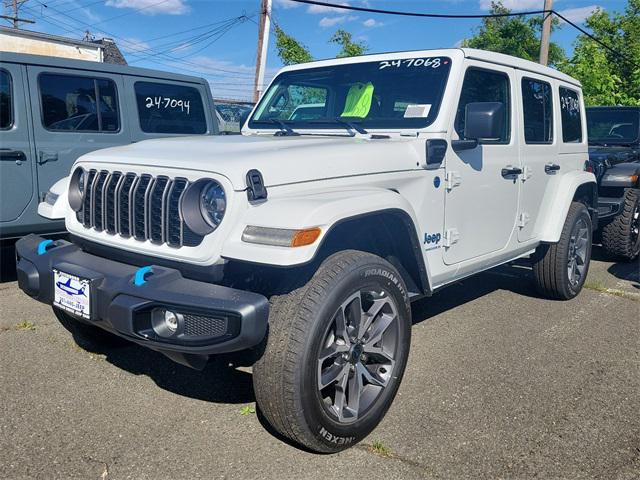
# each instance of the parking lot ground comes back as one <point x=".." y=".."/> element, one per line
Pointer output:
<point x="500" y="384"/>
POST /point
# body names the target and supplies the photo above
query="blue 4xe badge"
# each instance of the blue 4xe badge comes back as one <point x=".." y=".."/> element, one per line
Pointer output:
<point x="432" y="240"/>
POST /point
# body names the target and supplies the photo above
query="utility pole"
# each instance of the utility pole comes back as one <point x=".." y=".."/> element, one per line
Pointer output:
<point x="546" y="32"/>
<point x="15" y="6"/>
<point x="263" y="45"/>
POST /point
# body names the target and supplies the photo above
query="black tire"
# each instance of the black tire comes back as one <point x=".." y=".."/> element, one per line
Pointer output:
<point x="88" y="337"/>
<point x="551" y="261"/>
<point x="620" y="237"/>
<point x="286" y="377"/>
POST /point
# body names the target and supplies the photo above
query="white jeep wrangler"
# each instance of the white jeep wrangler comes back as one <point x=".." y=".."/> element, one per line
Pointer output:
<point x="358" y="186"/>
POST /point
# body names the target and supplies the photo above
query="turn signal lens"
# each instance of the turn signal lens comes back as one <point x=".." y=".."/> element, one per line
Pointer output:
<point x="305" y="237"/>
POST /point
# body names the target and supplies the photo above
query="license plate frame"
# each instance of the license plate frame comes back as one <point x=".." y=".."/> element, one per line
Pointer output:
<point x="72" y="294"/>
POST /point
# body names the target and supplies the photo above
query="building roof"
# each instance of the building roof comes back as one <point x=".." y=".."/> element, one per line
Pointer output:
<point x="110" y="52"/>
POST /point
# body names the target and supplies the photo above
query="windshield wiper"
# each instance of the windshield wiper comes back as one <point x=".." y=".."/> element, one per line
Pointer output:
<point x="350" y="126"/>
<point x="285" y="130"/>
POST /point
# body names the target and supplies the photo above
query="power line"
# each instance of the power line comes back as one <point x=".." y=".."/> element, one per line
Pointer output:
<point x="417" y="14"/>
<point x="453" y="16"/>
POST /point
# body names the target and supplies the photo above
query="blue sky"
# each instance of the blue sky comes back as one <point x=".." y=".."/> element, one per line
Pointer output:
<point x="205" y="37"/>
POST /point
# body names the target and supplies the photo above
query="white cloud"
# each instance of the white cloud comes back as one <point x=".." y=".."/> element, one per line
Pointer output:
<point x="152" y="7"/>
<point x="326" y="22"/>
<point x="323" y="9"/>
<point x="370" y="23"/>
<point x="518" y="5"/>
<point x="286" y="4"/>
<point x="578" y="15"/>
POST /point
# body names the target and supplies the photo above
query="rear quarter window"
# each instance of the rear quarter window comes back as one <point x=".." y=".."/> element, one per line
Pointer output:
<point x="170" y="108"/>
<point x="6" y="101"/>
<point x="570" y="116"/>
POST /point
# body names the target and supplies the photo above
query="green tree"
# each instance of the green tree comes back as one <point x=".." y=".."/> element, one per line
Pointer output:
<point x="607" y="78"/>
<point x="290" y="50"/>
<point x="349" y="47"/>
<point x="517" y="36"/>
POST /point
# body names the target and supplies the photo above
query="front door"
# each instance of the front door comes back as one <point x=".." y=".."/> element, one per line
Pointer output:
<point x="16" y="155"/>
<point x="74" y="112"/>
<point x="481" y="203"/>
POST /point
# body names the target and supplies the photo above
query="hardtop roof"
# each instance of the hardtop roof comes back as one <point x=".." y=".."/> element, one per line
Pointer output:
<point x="61" y="62"/>
<point x="471" y="53"/>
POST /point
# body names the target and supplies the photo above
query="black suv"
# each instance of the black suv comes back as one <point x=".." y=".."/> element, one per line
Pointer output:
<point x="614" y="153"/>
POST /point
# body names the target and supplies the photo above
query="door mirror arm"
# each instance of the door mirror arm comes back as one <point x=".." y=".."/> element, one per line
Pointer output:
<point x="459" y="145"/>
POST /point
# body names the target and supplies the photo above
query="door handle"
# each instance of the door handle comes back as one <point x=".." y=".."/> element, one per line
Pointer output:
<point x="510" y="171"/>
<point x="6" y="154"/>
<point x="44" y="157"/>
<point x="551" y="168"/>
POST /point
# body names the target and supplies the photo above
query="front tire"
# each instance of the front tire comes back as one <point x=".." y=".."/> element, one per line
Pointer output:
<point x="336" y="351"/>
<point x="560" y="269"/>
<point x="621" y="237"/>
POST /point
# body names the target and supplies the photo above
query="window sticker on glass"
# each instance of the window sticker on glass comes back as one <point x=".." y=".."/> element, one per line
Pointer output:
<point x="417" y="111"/>
<point x="413" y="62"/>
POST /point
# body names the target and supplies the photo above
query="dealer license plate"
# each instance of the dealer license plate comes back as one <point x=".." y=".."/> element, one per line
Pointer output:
<point x="72" y="293"/>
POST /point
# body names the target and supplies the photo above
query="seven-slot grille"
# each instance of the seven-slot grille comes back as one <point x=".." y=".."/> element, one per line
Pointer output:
<point x="138" y="206"/>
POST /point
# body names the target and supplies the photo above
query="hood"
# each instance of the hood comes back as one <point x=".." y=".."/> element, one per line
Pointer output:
<point x="281" y="160"/>
<point x="613" y="154"/>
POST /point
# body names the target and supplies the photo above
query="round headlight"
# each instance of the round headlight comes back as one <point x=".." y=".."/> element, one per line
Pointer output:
<point x="76" y="188"/>
<point x="203" y="206"/>
<point x="213" y="203"/>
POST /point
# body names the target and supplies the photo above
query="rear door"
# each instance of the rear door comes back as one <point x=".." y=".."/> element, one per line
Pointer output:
<point x="538" y="151"/>
<point x="165" y="108"/>
<point x="74" y="112"/>
<point x="482" y="196"/>
<point x="16" y="154"/>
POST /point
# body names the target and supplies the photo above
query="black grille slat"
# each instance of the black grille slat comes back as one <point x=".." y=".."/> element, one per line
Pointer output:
<point x="139" y="206"/>
<point x="140" y="195"/>
<point x="124" y="204"/>
<point x="155" y="220"/>
<point x="110" y="202"/>
<point x="98" y="198"/>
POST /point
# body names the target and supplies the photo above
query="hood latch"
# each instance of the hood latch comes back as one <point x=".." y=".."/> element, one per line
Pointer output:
<point x="256" y="191"/>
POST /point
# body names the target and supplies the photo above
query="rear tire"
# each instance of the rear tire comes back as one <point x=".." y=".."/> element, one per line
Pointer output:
<point x="621" y="237"/>
<point x="560" y="269"/>
<point x="335" y="353"/>
<point x="88" y="337"/>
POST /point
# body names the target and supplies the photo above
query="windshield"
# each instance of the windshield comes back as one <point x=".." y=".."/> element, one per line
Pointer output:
<point x="403" y="93"/>
<point x="613" y="125"/>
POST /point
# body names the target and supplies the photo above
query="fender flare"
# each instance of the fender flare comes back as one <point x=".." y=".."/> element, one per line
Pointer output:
<point x="326" y="210"/>
<point x="565" y="194"/>
<point x="619" y="175"/>
<point x="58" y="210"/>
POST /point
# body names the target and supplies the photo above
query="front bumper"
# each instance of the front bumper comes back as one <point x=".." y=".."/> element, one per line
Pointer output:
<point x="224" y="319"/>
<point x="609" y="207"/>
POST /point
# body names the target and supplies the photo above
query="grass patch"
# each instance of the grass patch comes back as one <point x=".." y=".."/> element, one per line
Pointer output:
<point x="247" y="409"/>
<point x="30" y="326"/>
<point x="599" y="286"/>
<point x="380" y="448"/>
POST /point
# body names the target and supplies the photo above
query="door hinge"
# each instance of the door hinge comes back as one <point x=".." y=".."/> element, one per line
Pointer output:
<point x="451" y="236"/>
<point x="452" y="179"/>
<point x="527" y="172"/>
<point x="523" y="219"/>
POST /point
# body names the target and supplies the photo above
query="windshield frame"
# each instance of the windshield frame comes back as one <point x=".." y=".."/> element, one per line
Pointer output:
<point x="613" y="141"/>
<point x="331" y="125"/>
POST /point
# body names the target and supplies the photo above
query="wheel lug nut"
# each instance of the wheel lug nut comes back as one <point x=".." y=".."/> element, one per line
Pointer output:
<point x="363" y="357"/>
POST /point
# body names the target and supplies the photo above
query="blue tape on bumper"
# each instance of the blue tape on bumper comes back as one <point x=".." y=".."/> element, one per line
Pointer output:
<point x="42" y="246"/>
<point x="139" y="276"/>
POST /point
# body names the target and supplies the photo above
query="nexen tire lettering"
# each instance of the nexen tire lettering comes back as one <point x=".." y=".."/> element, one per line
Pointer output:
<point x="334" y="438"/>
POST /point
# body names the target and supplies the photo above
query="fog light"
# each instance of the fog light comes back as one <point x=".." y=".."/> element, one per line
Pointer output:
<point x="166" y="323"/>
<point x="171" y="320"/>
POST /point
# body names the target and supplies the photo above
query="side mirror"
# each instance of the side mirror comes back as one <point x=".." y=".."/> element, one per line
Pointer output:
<point x="483" y="120"/>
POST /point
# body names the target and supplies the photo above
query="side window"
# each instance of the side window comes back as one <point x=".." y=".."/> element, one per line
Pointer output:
<point x="170" y="108"/>
<point x="79" y="104"/>
<point x="570" y="114"/>
<point x="537" y="106"/>
<point x="6" y="101"/>
<point x="485" y="86"/>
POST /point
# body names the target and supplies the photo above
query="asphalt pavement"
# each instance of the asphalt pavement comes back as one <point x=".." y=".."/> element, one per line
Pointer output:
<point x="500" y="384"/>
